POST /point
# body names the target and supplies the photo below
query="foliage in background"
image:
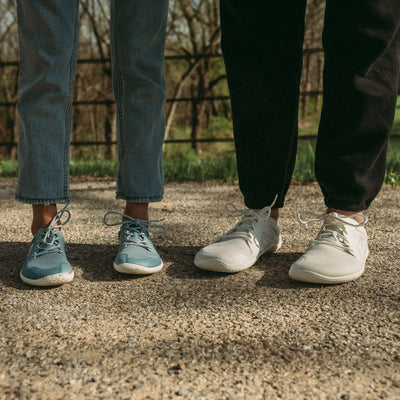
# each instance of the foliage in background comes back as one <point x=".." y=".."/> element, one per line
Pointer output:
<point x="193" y="30"/>
<point x="189" y="167"/>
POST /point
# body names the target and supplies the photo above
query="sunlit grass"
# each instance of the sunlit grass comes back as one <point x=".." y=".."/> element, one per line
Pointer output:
<point x="188" y="167"/>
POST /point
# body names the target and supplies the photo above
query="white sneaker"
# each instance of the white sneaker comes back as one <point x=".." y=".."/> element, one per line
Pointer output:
<point x="255" y="234"/>
<point x="337" y="255"/>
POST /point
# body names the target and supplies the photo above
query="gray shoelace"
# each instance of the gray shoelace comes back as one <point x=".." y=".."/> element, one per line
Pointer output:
<point x="134" y="230"/>
<point x="51" y="236"/>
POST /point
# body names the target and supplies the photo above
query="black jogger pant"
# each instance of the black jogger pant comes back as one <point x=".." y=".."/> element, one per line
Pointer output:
<point x="262" y="43"/>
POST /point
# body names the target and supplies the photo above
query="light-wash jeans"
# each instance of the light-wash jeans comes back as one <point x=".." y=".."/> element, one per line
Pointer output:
<point x="48" y="32"/>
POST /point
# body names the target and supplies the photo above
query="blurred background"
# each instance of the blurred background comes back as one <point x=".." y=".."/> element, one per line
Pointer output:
<point x="198" y="139"/>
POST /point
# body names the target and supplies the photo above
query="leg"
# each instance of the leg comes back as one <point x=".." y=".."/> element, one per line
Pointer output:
<point x="137" y="210"/>
<point x="263" y="58"/>
<point x="138" y="36"/>
<point x="42" y="216"/>
<point x="48" y="44"/>
<point x="361" y="42"/>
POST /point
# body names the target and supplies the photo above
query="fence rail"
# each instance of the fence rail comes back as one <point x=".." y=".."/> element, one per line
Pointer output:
<point x="188" y="57"/>
<point x="15" y="63"/>
<point x="100" y="143"/>
<point x="108" y="102"/>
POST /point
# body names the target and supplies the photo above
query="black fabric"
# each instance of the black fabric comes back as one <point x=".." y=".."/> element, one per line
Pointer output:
<point x="262" y="46"/>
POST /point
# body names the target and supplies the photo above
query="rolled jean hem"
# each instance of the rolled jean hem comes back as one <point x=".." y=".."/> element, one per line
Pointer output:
<point x="26" y="200"/>
<point x="135" y="199"/>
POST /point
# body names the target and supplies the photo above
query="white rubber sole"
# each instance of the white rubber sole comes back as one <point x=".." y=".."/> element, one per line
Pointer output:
<point x="217" y="265"/>
<point x="51" y="280"/>
<point x="136" y="269"/>
<point x="314" y="277"/>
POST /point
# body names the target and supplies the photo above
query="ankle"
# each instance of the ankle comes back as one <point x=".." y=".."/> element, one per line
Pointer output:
<point x="137" y="210"/>
<point x="42" y="216"/>
<point x="275" y="214"/>
<point x="359" y="217"/>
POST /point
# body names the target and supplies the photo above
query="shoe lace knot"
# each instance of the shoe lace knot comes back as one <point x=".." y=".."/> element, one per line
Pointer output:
<point x="333" y="231"/>
<point x="248" y="219"/>
<point x="50" y="240"/>
<point x="135" y="231"/>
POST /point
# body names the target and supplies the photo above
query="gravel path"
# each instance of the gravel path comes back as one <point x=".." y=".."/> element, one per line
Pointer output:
<point x="188" y="334"/>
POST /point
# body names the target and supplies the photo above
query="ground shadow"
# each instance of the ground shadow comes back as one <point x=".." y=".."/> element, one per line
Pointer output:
<point x="276" y="271"/>
<point x="275" y="267"/>
<point x="96" y="260"/>
<point x="181" y="259"/>
<point x="12" y="256"/>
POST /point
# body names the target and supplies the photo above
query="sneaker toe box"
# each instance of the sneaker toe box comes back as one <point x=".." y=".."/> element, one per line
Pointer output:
<point x="39" y="268"/>
<point x="322" y="267"/>
<point x="144" y="260"/>
<point x="212" y="258"/>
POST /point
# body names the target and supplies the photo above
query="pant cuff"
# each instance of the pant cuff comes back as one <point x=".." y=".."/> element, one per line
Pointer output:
<point x="136" y="199"/>
<point x="26" y="200"/>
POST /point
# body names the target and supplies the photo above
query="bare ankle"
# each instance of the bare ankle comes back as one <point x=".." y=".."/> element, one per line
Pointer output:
<point x="275" y="213"/>
<point x="359" y="218"/>
<point x="42" y="216"/>
<point x="137" y="210"/>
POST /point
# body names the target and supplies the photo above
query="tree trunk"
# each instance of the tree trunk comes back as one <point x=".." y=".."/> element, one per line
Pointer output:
<point x="11" y="127"/>
<point x="197" y="125"/>
<point x="199" y="105"/>
<point x="319" y="75"/>
<point x="305" y="88"/>
<point x="108" y="134"/>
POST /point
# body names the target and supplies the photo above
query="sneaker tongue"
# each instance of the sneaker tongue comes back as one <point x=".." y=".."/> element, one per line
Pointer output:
<point x="244" y="225"/>
<point x="351" y="221"/>
<point x="136" y="228"/>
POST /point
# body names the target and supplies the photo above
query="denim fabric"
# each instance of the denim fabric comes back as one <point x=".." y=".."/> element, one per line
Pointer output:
<point x="263" y="58"/>
<point x="48" y="32"/>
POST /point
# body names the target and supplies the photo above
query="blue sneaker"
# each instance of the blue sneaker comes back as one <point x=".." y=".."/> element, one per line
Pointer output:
<point x="136" y="254"/>
<point x="47" y="264"/>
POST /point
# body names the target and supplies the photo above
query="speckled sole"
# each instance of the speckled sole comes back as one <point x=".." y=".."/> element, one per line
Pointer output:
<point x="51" y="280"/>
<point x="136" y="269"/>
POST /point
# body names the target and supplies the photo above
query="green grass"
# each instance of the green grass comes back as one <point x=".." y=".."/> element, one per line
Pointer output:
<point x="396" y="124"/>
<point x="304" y="168"/>
<point x="392" y="176"/>
<point x="221" y="169"/>
<point x="99" y="168"/>
<point x="8" y="168"/>
<point x="188" y="167"/>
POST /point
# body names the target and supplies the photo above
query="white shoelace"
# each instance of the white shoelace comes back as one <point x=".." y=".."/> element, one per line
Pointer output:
<point x="333" y="231"/>
<point x="247" y="223"/>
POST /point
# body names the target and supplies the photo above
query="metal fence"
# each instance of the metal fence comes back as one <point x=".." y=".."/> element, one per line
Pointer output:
<point x="304" y="93"/>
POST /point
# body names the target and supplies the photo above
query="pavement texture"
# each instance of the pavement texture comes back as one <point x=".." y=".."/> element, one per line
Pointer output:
<point x="188" y="334"/>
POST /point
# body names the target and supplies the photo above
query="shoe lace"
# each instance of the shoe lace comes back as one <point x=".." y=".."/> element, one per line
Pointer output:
<point x="333" y="231"/>
<point x="51" y="236"/>
<point x="134" y="230"/>
<point x="247" y="223"/>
